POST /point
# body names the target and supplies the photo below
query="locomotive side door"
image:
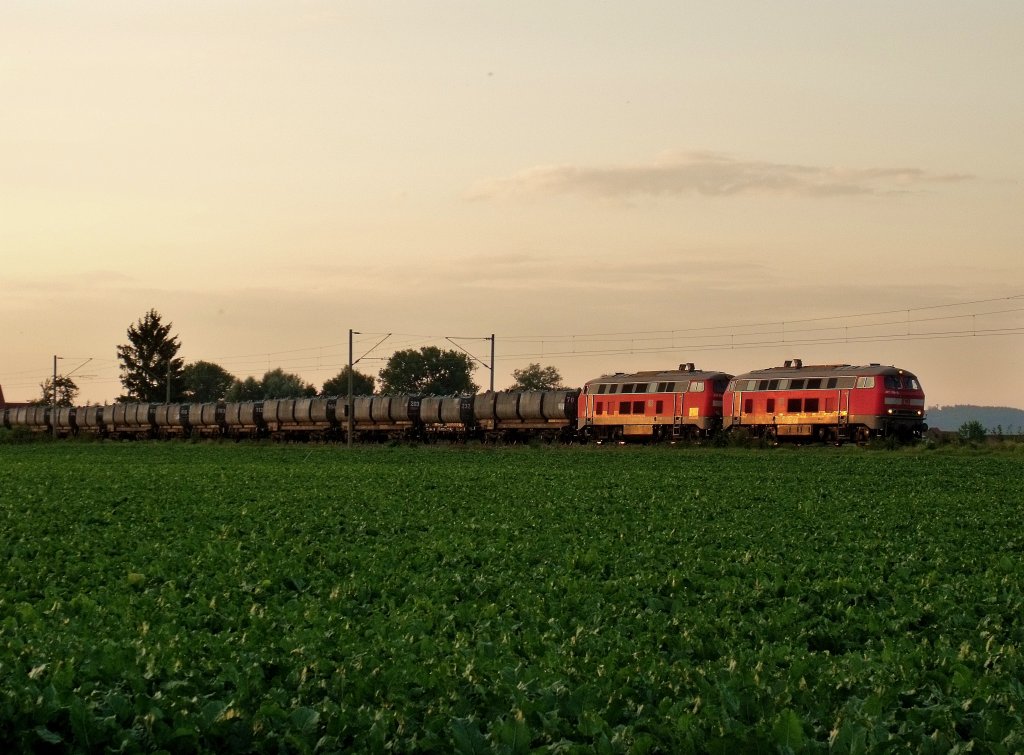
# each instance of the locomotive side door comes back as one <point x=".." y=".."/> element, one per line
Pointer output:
<point x="843" y="418"/>
<point x="588" y="410"/>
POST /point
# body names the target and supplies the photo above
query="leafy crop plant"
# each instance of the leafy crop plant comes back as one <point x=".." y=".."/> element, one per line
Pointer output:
<point x="254" y="598"/>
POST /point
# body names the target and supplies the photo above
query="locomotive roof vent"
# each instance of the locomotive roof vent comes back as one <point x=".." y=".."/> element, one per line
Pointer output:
<point x="686" y="367"/>
<point x="795" y="363"/>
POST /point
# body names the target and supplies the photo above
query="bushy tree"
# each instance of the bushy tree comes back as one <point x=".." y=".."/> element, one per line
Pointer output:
<point x="249" y="389"/>
<point x="428" y="371"/>
<point x="280" y="384"/>
<point x="275" y="384"/>
<point x="972" y="432"/>
<point x="533" y="377"/>
<point x="147" y="358"/>
<point x="362" y="385"/>
<point x="67" y="392"/>
<point x="205" y="381"/>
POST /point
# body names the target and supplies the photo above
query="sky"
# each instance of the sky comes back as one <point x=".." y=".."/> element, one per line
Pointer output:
<point x="605" y="187"/>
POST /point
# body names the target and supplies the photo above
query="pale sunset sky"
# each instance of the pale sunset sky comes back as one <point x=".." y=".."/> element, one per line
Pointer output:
<point x="605" y="186"/>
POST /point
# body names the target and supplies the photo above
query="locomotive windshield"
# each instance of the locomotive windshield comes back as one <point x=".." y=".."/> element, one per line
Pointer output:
<point x="902" y="382"/>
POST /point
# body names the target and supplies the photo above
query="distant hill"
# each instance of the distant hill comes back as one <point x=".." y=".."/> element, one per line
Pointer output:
<point x="992" y="417"/>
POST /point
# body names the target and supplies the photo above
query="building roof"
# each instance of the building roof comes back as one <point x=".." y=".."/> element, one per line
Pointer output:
<point x="9" y="404"/>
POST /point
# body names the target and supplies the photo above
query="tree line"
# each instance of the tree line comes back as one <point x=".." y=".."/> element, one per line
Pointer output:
<point x="152" y="371"/>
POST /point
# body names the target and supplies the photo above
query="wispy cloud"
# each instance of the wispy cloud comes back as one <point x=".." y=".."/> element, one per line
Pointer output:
<point x="709" y="174"/>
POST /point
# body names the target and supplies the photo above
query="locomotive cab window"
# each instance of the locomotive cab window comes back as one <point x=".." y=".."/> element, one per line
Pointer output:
<point x="906" y="382"/>
<point x="696" y="386"/>
<point x="866" y="382"/>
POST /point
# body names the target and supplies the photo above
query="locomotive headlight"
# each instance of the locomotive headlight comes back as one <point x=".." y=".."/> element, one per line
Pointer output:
<point x="890" y="411"/>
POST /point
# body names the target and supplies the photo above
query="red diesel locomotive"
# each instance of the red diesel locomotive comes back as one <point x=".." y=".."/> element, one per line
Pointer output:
<point x="673" y="404"/>
<point x="831" y="402"/>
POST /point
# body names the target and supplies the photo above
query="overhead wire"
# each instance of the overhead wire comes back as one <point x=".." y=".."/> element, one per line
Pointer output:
<point x="329" y="357"/>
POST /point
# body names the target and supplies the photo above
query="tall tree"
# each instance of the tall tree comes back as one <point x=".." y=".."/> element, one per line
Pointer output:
<point x="429" y="371"/>
<point x="149" y="360"/>
<point x="533" y="377"/>
<point x="205" y="381"/>
<point x="362" y="385"/>
<point x="67" y="391"/>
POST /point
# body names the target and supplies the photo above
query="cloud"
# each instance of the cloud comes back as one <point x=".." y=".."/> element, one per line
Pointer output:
<point x="709" y="174"/>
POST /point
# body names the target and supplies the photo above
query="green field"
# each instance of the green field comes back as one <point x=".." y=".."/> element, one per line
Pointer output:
<point x="229" y="597"/>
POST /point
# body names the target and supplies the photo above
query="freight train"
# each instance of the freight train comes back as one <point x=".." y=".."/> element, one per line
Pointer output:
<point x="830" y="403"/>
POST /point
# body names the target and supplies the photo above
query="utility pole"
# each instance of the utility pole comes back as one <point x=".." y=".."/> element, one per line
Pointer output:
<point x="351" y="376"/>
<point x="492" y="362"/>
<point x="349" y="409"/>
<point x="168" y="382"/>
<point x="53" y="411"/>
